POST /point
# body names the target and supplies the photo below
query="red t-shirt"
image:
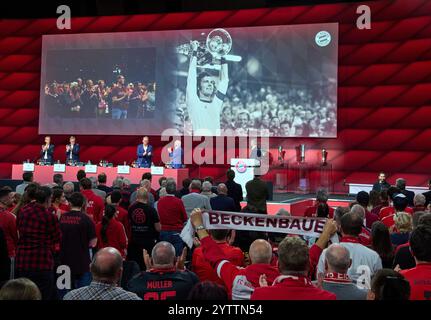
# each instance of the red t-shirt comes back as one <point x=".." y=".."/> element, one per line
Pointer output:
<point x="203" y="268"/>
<point x="312" y="212"/>
<point x="123" y="217"/>
<point x="116" y="236"/>
<point x="8" y="224"/>
<point x="365" y="237"/>
<point x="172" y="213"/>
<point x="420" y="281"/>
<point x="95" y="205"/>
<point x="387" y="211"/>
<point x="291" y="288"/>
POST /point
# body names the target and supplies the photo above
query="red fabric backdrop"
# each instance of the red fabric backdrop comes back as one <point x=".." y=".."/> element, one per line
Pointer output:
<point x="384" y="95"/>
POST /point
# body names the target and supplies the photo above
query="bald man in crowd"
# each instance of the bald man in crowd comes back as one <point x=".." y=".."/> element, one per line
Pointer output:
<point x="106" y="268"/>
<point x="165" y="278"/>
<point x="222" y="202"/>
<point x="336" y="279"/>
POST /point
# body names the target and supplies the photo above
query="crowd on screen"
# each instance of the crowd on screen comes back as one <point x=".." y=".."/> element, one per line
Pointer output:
<point x="88" y="99"/>
<point x="122" y="243"/>
<point x="293" y="112"/>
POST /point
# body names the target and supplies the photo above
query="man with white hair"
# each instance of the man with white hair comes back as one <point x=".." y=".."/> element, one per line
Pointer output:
<point x="147" y="185"/>
<point x="336" y="279"/>
<point x="165" y="278"/>
<point x="419" y="202"/>
<point x="207" y="189"/>
<point x="194" y="199"/>
<point x="68" y="189"/>
<point x="97" y="191"/>
<point x="176" y="155"/>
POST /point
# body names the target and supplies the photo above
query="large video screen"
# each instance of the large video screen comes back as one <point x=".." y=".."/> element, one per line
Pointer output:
<point x="279" y="81"/>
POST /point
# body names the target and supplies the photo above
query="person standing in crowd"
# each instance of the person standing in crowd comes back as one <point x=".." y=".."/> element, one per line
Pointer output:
<point x="381" y="183"/>
<point x="57" y="180"/>
<point x="363" y="199"/>
<point x="78" y="236"/>
<point x="396" y="201"/>
<point x="185" y="189"/>
<point x="165" y="278"/>
<point x="383" y="202"/>
<point x="59" y="204"/>
<point x="234" y="190"/>
<point x="162" y="184"/>
<point x="144" y="227"/>
<point x="148" y="176"/>
<point x="145" y="154"/>
<point x="39" y="234"/>
<point x="20" y="289"/>
<point x="72" y="151"/>
<point x="110" y="232"/>
<point x="173" y="217"/>
<point x="106" y="270"/>
<point x="293" y="282"/>
<point x="176" y="155"/>
<point x="257" y="193"/>
<point x="402" y="228"/>
<point x="388" y="284"/>
<point x="400" y="203"/>
<point x="419" y="202"/>
<point x="321" y="208"/>
<point x="147" y="185"/>
<point x="222" y="202"/>
<point x="381" y="243"/>
<point x="428" y="194"/>
<point x="336" y="280"/>
<point x="203" y="268"/>
<point x="68" y="189"/>
<point x="27" y="178"/>
<point x="362" y="257"/>
<point x="5" y="263"/>
<point x="419" y="276"/>
<point x="123" y="215"/>
<point x="194" y="199"/>
<point x="47" y="152"/>
<point x="95" y="203"/>
<point x="207" y="190"/>
<point x="100" y="193"/>
<point x="401" y="185"/>
<point x="403" y="255"/>
<point x="8" y="222"/>
<point x="101" y="183"/>
<point x="120" y="97"/>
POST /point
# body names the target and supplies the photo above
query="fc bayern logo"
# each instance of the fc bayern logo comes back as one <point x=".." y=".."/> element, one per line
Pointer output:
<point x="241" y="167"/>
<point x="323" y="38"/>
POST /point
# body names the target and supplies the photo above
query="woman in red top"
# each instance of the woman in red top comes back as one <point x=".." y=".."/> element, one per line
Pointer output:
<point x="110" y="232"/>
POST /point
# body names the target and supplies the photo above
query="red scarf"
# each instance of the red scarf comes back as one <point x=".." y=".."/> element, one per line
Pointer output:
<point x="337" y="277"/>
<point x="350" y="239"/>
<point x="302" y="280"/>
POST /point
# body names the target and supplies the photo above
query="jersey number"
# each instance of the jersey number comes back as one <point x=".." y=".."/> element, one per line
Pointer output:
<point x="159" y="296"/>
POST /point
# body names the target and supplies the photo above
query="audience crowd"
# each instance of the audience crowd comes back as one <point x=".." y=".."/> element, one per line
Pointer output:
<point x="86" y="240"/>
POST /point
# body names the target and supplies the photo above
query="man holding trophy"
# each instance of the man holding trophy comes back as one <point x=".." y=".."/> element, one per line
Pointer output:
<point x="205" y="93"/>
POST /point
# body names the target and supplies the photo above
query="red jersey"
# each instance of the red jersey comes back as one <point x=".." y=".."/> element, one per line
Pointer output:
<point x="115" y="234"/>
<point x="292" y="288"/>
<point x="172" y="213"/>
<point x="387" y="211"/>
<point x="239" y="282"/>
<point x="123" y="217"/>
<point x="203" y="268"/>
<point x="365" y="237"/>
<point x="8" y="224"/>
<point x="420" y="281"/>
<point x="95" y="205"/>
<point x="312" y="212"/>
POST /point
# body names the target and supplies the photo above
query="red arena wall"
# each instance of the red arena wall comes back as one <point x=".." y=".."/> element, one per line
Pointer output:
<point x="384" y="94"/>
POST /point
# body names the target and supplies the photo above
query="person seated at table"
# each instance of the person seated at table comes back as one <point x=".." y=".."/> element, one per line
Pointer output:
<point x="145" y="154"/>
<point x="72" y="151"/>
<point x="47" y="152"/>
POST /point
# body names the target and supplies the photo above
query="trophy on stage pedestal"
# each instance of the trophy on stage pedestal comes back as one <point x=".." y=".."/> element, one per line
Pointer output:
<point x="324" y="157"/>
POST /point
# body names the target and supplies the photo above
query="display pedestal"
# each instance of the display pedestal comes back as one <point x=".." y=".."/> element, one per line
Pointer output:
<point x="300" y="182"/>
<point x="325" y="178"/>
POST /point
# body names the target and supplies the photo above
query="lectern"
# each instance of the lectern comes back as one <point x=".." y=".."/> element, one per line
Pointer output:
<point x="244" y="171"/>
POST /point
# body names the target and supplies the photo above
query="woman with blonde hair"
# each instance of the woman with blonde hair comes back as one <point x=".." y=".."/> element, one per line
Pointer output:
<point x="402" y="228"/>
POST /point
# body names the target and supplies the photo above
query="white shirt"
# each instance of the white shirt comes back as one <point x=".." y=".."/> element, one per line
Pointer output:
<point x="205" y="116"/>
<point x="362" y="258"/>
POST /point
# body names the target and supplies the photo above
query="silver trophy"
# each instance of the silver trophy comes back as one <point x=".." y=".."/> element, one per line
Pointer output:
<point x="216" y="45"/>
